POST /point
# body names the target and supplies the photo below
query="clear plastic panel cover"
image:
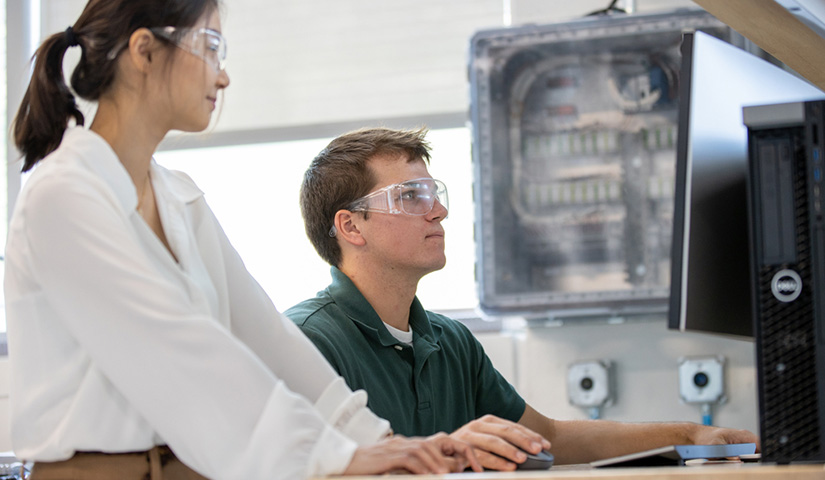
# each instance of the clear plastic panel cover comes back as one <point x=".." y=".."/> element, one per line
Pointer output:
<point x="574" y="131"/>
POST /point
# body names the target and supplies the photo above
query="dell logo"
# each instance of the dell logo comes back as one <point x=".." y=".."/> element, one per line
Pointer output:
<point x="786" y="285"/>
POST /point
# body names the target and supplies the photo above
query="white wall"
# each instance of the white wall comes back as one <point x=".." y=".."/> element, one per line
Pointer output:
<point x="309" y="62"/>
<point x="645" y="360"/>
<point x="645" y="357"/>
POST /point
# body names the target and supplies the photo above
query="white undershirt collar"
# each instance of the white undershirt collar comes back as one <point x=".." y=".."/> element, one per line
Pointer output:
<point x="400" y="335"/>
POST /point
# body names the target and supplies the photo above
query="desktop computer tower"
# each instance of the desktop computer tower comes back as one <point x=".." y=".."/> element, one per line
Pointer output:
<point x="787" y="234"/>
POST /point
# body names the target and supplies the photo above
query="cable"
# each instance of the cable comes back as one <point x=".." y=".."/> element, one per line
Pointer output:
<point x="595" y="413"/>
<point x="707" y="414"/>
<point x="607" y="11"/>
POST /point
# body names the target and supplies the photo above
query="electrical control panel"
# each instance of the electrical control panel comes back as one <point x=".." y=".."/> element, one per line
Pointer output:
<point x="574" y="135"/>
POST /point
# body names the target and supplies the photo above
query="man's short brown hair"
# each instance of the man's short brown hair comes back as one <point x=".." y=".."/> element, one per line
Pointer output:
<point x="340" y="174"/>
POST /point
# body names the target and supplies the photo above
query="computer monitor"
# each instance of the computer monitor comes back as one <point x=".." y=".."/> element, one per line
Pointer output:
<point x="710" y="273"/>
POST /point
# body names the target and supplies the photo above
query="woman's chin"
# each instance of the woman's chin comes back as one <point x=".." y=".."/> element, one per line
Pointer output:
<point x="193" y="128"/>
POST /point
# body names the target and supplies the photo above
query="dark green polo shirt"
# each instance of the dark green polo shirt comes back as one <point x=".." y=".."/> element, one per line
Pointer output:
<point x="440" y="383"/>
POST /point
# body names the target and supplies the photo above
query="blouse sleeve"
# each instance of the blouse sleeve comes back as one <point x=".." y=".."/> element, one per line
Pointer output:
<point x="256" y="321"/>
<point x="218" y="402"/>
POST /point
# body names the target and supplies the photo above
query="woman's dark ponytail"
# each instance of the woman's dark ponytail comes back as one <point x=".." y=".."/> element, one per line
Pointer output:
<point x="102" y="32"/>
<point x="48" y="104"/>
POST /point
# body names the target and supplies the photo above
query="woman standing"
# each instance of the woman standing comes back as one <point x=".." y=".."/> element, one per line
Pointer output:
<point x="139" y="344"/>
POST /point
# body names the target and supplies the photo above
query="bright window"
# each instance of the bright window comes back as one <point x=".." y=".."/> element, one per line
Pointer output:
<point x="3" y="155"/>
<point x="253" y="190"/>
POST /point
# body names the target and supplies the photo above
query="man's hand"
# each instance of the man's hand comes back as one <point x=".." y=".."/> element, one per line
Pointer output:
<point x="705" y="435"/>
<point x="435" y="454"/>
<point x="500" y="444"/>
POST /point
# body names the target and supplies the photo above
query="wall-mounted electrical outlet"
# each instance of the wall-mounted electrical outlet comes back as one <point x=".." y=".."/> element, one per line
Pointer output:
<point x="702" y="379"/>
<point x="589" y="384"/>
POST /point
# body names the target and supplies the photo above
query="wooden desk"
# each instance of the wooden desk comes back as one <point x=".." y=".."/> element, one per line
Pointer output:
<point x="733" y="471"/>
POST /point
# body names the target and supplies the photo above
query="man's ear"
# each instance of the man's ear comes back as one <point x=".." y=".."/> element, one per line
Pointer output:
<point x="142" y="49"/>
<point x="346" y="223"/>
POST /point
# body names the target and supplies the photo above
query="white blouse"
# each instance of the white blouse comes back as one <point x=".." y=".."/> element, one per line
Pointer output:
<point x="116" y="347"/>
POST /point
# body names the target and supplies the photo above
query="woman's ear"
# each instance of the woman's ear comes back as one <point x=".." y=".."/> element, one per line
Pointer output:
<point x="346" y="223"/>
<point x="142" y="49"/>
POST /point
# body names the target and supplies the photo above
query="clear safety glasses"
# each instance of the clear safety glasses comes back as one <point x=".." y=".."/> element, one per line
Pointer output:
<point x="205" y="43"/>
<point x="413" y="197"/>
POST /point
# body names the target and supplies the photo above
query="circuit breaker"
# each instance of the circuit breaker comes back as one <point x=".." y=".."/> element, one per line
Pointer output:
<point x="574" y="138"/>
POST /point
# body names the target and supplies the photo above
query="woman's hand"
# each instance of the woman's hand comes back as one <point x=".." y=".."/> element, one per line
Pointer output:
<point x="435" y="454"/>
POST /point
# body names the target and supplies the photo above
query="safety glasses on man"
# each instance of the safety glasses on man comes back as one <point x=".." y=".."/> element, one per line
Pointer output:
<point x="205" y="43"/>
<point x="413" y="197"/>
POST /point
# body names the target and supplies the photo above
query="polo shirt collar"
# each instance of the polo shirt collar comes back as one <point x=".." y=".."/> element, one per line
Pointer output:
<point x="347" y="296"/>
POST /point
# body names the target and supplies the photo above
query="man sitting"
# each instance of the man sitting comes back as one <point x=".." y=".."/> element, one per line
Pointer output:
<point x="374" y="213"/>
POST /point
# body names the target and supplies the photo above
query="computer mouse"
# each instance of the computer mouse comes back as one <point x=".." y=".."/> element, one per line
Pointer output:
<point x="540" y="461"/>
